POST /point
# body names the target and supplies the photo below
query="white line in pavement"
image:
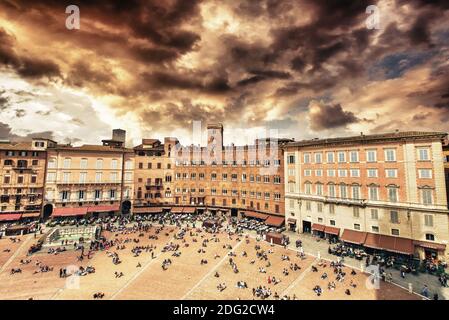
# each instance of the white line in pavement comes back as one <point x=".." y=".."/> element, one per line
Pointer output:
<point x="7" y="263"/>
<point x="298" y="279"/>
<point x="212" y="270"/>
<point x="128" y="283"/>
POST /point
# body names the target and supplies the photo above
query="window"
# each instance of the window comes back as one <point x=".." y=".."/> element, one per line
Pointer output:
<point x="52" y="163"/>
<point x="331" y="208"/>
<point x="331" y="189"/>
<point x="97" y="194"/>
<point x="292" y="204"/>
<point x="99" y="164"/>
<point x="308" y="206"/>
<point x="318" y="173"/>
<point x="356" y="212"/>
<point x="291" y="187"/>
<point x="277" y="179"/>
<point x="83" y="176"/>
<point x="425" y="173"/>
<point x="375" y="229"/>
<point x="114" y="177"/>
<point x="319" y="207"/>
<point x="318" y="157"/>
<point x="331" y="173"/>
<point x="66" y="163"/>
<point x="394" y="217"/>
<point x="391" y="173"/>
<point x="319" y="189"/>
<point x="65" y="195"/>
<point x="430" y="237"/>
<point x="243" y="177"/>
<point x="372" y="173"/>
<point x="51" y="176"/>
<point x="266" y="179"/>
<point x="390" y="155"/>
<point x="356" y="192"/>
<point x="83" y="163"/>
<point x="330" y="157"/>
<point x="371" y="156"/>
<point x="356" y="226"/>
<point x="395" y="232"/>
<point x="428" y="220"/>
<point x="343" y="191"/>
<point x="342" y="173"/>
<point x="373" y="193"/>
<point x="332" y="222"/>
<point x="423" y="154"/>
<point x="307" y="173"/>
<point x="426" y="195"/>
<point x="392" y="194"/>
<point x="374" y="214"/>
<point x="355" y="173"/>
<point x="306" y="157"/>
<point x="114" y="164"/>
<point x="66" y="177"/>
<point x="341" y="157"/>
<point x="354" y="156"/>
<point x="98" y="177"/>
<point x="291" y="172"/>
<point x="81" y="195"/>
<point x="33" y="179"/>
<point x="291" y="159"/>
<point x="308" y="188"/>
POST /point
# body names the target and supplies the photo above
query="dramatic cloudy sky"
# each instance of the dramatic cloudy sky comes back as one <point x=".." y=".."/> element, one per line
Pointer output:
<point x="308" y="68"/>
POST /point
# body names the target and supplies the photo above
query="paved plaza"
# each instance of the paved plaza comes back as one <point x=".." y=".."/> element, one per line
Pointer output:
<point x="186" y="277"/>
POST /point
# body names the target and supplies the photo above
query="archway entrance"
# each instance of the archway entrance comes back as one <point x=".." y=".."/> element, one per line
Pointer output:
<point x="126" y="207"/>
<point x="48" y="210"/>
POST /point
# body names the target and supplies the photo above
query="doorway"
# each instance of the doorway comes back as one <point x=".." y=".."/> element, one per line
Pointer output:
<point x="48" y="210"/>
<point x="306" y="227"/>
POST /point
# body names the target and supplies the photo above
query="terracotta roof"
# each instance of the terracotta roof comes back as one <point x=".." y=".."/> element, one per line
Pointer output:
<point x="91" y="147"/>
<point x="26" y="146"/>
<point x="406" y="135"/>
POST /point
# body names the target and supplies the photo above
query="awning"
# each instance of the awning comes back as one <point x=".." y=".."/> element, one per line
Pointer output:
<point x="352" y="236"/>
<point x="189" y="210"/>
<point x="114" y="207"/>
<point x="275" y="221"/>
<point x="430" y="245"/>
<point x="10" y="217"/>
<point x="31" y="215"/>
<point x="257" y="215"/>
<point x="291" y="221"/>
<point x="389" y="243"/>
<point x="147" y="209"/>
<point x="318" y="227"/>
<point x="69" y="212"/>
<point x="177" y="209"/>
<point x="332" y="230"/>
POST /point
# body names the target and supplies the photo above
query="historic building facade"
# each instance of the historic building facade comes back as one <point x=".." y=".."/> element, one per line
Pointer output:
<point x="361" y="187"/>
<point x="236" y="178"/>
<point x="446" y="166"/>
<point x="22" y="176"/>
<point x="153" y="172"/>
<point x="90" y="178"/>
